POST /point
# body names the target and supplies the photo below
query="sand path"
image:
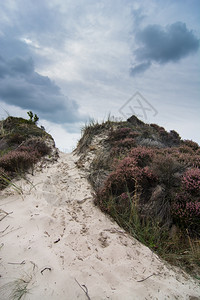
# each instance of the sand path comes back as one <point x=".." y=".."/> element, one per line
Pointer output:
<point x="58" y="245"/>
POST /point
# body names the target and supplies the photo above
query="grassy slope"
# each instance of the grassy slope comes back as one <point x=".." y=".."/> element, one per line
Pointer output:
<point x="22" y="144"/>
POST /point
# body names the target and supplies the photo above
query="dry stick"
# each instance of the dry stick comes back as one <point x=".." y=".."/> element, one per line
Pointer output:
<point x="58" y="240"/>
<point x="85" y="290"/>
<point x="6" y="214"/>
<point x="34" y="265"/>
<point x="5" y="229"/>
<point x="47" y="268"/>
<point x="11" y="231"/>
<point x="148" y="277"/>
<point x="22" y="263"/>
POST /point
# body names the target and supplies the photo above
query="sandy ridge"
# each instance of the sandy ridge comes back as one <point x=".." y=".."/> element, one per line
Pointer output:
<point x="65" y="248"/>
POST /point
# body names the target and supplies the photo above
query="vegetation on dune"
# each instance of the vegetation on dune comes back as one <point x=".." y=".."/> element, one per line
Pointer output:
<point x="148" y="180"/>
<point x="22" y="144"/>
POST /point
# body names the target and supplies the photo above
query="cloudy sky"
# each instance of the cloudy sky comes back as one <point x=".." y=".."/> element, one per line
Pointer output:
<point x="73" y="60"/>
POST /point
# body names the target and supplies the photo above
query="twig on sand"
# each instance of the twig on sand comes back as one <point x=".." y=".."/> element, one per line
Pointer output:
<point x="84" y="288"/>
<point x="22" y="263"/>
<point x="5" y="229"/>
<point x="58" y="240"/>
<point x="13" y="229"/>
<point x="148" y="277"/>
<point x="47" y="268"/>
<point x="34" y="265"/>
<point x="5" y="214"/>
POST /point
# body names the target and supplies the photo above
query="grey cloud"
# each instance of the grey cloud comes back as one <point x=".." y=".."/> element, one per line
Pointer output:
<point x="37" y="19"/>
<point x="163" y="44"/>
<point x="21" y="86"/>
<point x="140" y="68"/>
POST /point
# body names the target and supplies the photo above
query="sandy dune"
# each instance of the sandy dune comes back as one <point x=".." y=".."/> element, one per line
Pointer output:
<point x="58" y="245"/>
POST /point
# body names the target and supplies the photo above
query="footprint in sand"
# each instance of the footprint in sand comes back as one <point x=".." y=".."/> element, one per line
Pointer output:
<point x="104" y="240"/>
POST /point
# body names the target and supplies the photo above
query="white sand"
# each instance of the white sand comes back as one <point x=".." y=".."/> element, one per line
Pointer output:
<point x="55" y="225"/>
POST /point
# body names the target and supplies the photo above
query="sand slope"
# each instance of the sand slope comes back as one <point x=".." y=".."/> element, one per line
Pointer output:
<point x="58" y="245"/>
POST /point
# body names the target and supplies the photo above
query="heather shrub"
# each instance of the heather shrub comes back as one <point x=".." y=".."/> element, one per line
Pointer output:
<point x="187" y="214"/>
<point x="169" y="138"/>
<point x="15" y="161"/>
<point x="174" y="135"/>
<point x="188" y="159"/>
<point x="156" y="127"/>
<point x="142" y="155"/>
<point x="186" y="149"/>
<point x="191" y="181"/>
<point x="193" y="145"/>
<point x="160" y="130"/>
<point x="39" y="145"/>
<point x="127" y="176"/>
<point x="167" y="169"/>
<point x="125" y="143"/>
<point x="15" y="138"/>
<point x="121" y="134"/>
<point x="186" y="205"/>
<point x="122" y="146"/>
<point x="198" y="151"/>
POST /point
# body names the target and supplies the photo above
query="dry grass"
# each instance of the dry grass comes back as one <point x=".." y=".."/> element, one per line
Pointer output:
<point x="16" y="289"/>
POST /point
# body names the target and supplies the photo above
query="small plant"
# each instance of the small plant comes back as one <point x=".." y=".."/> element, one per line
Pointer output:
<point x="3" y="175"/>
<point x="36" y="144"/>
<point x="193" y="145"/>
<point x="119" y="134"/>
<point x="6" y="180"/>
<point x="16" y="289"/>
<point x="30" y="114"/>
<point x="16" y="161"/>
<point x="32" y="118"/>
<point x="142" y="155"/>
<point x="191" y="181"/>
<point x="187" y="214"/>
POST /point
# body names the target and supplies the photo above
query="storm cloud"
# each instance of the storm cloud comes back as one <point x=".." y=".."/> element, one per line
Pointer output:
<point x="162" y="45"/>
<point x="22" y="86"/>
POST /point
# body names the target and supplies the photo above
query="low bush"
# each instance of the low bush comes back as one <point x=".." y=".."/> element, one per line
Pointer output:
<point x="191" y="181"/>
<point x="39" y="145"/>
<point x="122" y="146"/>
<point x="125" y="143"/>
<point x="15" y="139"/>
<point x="142" y="155"/>
<point x="16" y="161"/>
<point x="187" y="215"/>
<point x="193" y="145"/>
<point x="127" y="176"/>
<point x="167" y="170"/>
<point x="119" y="134"/>
<point x="186" y="149"/>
